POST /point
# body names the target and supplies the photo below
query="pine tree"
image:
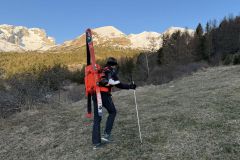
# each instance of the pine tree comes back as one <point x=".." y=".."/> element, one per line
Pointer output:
<point x="207" y="28"/>
<point x="198" y="44"/>
<point x="207" y="47"/>
<point x="199" y="30"/>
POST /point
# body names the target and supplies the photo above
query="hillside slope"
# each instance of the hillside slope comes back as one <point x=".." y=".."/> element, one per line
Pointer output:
<point x="195" y="117"/>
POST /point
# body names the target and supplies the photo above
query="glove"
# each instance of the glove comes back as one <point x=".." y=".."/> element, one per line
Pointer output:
<point x="103" y="82"/>
<point x="132" y="86"/>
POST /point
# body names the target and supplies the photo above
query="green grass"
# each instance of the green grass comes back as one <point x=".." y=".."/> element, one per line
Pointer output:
<point x="194" y="117"/>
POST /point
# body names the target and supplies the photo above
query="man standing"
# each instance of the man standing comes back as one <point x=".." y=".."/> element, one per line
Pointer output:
<point x="110" y="80"/>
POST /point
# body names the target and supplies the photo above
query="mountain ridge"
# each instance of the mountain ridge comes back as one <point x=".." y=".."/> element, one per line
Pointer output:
<point x="20" y="39"/>
<point x="110" y="36"/>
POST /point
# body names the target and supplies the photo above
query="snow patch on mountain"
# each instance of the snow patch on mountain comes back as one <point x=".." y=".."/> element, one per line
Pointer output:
<point x="172" y="30"/>
<point x="146" y="40"/>
<point x="7" y="47"/>
<point x="108" y="31"/>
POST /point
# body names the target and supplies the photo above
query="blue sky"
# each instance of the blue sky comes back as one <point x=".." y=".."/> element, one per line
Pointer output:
<point x="67" y="19"/>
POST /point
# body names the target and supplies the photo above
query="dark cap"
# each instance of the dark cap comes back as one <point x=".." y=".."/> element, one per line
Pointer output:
<point x="111" y="61"/>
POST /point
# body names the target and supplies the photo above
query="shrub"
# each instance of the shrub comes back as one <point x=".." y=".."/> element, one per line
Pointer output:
<point x="236" y="59"/>
<point x="52" y="77"/>
<point x="31" y="88"/>
<point x="78" y="76"/>
<point x="228" y="59"/>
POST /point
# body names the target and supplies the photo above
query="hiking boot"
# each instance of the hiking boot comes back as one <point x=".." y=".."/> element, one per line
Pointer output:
<point x="97" y="146"/>
<point x="106" y="138"/>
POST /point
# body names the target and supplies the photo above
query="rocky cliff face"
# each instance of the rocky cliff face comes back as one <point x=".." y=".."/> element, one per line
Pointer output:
<point x="19" y="38"/>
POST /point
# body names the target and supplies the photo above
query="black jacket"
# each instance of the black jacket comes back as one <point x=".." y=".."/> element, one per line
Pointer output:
<point x="111" y="75"/>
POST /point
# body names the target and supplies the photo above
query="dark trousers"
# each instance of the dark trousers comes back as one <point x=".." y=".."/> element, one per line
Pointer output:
<point x="108" y="104"/>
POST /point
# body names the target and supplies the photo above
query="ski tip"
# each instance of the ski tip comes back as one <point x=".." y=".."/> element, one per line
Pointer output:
<point x="87" y="30"/>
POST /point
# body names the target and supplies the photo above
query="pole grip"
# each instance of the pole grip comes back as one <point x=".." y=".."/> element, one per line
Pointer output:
<point x="132" y="79"/>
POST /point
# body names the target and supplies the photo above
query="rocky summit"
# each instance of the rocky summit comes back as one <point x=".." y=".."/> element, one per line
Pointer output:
<point x="19" y="38"/>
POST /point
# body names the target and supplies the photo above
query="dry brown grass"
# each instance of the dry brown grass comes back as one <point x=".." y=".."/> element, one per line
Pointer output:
<point x="195" y="117"/>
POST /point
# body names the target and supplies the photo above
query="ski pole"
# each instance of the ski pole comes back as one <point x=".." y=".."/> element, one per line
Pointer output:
<point x="139" y="128"/>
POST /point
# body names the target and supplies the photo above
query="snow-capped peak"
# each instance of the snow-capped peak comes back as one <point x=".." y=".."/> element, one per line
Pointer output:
<point x="108" y="31"/>
<point x="172" y="30"/>
<point x="146" y="40"/>
<point x="145" y="34"/>
<point x="5" y="26"/>
<point x="25" y="38"/>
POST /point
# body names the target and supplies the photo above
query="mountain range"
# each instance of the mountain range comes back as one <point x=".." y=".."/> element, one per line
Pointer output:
<point x="20" y="39"/>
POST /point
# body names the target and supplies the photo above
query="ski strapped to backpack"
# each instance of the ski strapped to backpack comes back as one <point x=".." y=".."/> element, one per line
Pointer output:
<point x="93" y="75"/>
<point x="89" y="96"/>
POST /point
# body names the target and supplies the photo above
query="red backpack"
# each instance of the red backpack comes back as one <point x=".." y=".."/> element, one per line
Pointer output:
<point x="90" y="84"/>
